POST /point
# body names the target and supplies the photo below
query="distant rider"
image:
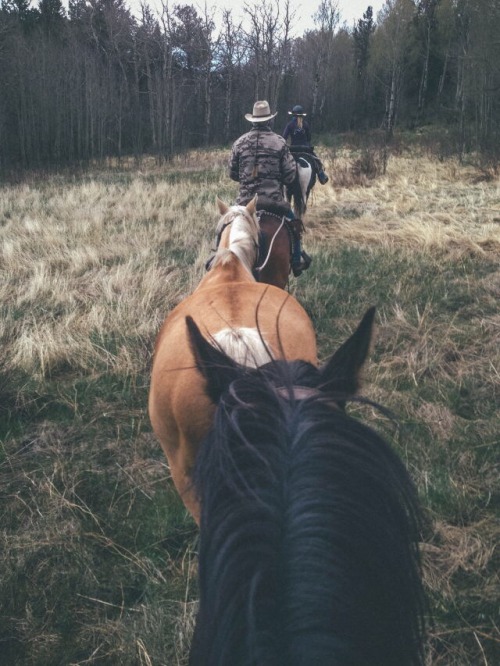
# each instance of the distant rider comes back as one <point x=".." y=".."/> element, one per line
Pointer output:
<point x="262" y="164"/>
<point x="299" y="132"/>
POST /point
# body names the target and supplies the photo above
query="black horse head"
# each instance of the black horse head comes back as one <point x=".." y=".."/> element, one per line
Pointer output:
<point x="310" y="522"/>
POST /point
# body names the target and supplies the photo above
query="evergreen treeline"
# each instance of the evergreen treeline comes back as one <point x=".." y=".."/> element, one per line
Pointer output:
<point x="95" y="81"/>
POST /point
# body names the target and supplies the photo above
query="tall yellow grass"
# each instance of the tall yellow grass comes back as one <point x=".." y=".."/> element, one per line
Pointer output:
<point x="418" y="205"/>
<point x="90" y="267"/>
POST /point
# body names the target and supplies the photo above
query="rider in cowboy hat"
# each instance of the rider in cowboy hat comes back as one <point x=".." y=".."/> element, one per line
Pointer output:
<point x="299" y="131"/>
<point x="262" y="164"/>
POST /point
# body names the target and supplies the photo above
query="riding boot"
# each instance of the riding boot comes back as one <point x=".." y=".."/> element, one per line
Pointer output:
<point x="306" y="260"/>
<point x="300" y="259"/>
<point x="322" y="177"/>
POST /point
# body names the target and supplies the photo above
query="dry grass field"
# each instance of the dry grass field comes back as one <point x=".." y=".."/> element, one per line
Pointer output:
<point x="97" y="555"/>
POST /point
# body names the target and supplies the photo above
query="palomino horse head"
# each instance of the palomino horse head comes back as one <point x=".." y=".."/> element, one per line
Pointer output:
<point x="253" y="322"/>
<point x="309" y="521"/>
<point x="238" y="230"/>
<point x="273" y="237"/>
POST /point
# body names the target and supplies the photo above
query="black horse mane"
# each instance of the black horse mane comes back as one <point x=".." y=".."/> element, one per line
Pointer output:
<point x="309" y="533"/>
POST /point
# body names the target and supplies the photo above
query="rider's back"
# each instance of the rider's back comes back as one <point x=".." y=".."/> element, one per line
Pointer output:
<point x="261" y="162"/>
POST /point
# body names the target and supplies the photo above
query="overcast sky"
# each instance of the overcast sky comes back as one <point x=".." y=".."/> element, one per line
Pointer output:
<point x="350" y="10"/>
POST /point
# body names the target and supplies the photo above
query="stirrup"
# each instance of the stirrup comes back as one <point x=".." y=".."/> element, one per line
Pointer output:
<point x="323" y="178"/>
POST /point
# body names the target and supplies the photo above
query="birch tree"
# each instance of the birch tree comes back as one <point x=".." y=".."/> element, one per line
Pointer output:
<point x="392" y="40"/>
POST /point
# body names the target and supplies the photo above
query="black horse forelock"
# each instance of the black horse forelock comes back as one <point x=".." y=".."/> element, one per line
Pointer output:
<point x="309" y="534"/>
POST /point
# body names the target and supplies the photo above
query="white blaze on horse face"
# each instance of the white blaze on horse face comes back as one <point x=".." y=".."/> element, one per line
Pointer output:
<point x="244" y="345"/>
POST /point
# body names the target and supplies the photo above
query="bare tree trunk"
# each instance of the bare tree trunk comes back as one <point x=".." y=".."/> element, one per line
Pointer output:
<point x="166" y="110"/>
<point x="422" y="91"/>
<point x="208" y="107"/>
<point x="392" y="101"/>
<point x="228" y="104"/>
<point x="152" y="96"/>
<point x="268" y="44"/>
<point x="228" y="48"/>
<point x="442" y="78"/>
<point x="137" y="139"/>
<point x="327" y="17"/>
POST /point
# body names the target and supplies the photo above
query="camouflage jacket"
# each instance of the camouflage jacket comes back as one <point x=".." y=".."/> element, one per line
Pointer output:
<point x="262" y="164"/>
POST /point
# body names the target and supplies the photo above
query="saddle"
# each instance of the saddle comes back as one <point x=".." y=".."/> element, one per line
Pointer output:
<point x="306" y="153"/>
<point x="307" y="150"/>
<point x="294" y="227"/>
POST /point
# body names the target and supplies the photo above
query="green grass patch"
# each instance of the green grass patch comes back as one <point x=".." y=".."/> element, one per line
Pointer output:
<point x="97" y="551"/>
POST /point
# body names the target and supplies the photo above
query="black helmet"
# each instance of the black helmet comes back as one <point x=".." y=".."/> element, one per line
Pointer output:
<point x="297" y="111"/>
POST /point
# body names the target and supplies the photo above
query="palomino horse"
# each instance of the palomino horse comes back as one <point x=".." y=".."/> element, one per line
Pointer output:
<point x="298" y="192"/>
<point x="253" y="322"/>
<point x="309" y="530"/>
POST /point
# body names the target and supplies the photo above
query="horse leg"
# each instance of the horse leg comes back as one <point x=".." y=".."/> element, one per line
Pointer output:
<point x="183" y="483"/>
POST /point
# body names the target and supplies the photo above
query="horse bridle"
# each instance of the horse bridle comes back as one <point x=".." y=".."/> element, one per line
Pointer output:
<point x="257" y="269"/>
<point x="220" y="232"/>
<point x="298" y="392"/>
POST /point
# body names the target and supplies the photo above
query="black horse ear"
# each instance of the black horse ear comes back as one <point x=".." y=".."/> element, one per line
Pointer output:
<point x="217" y="368"/>
<point x="340" y="374"/>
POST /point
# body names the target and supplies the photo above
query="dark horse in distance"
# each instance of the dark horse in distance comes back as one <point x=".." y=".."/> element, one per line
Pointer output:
<point x="310" y="523"/>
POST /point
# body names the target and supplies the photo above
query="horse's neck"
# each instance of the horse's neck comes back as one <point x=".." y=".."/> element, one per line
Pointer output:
<point x="227" y="268"/>
<point x="242" y="244"/>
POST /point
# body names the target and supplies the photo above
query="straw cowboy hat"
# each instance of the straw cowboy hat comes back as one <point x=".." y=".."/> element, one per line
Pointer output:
<point x="261" y="113"/>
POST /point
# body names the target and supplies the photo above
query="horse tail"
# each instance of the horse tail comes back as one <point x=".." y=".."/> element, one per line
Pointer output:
<point x="308" y="538"/>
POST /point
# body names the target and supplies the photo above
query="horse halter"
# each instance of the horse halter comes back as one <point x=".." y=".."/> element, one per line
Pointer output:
<point x="220" y="232"/>
<point x="298" y="392"/>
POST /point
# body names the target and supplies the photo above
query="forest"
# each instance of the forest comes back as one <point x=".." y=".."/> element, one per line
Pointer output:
<point x="94" y="81"/>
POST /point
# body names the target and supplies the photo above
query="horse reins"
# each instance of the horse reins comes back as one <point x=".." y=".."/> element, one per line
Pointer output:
<point x="263" y="265"/>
